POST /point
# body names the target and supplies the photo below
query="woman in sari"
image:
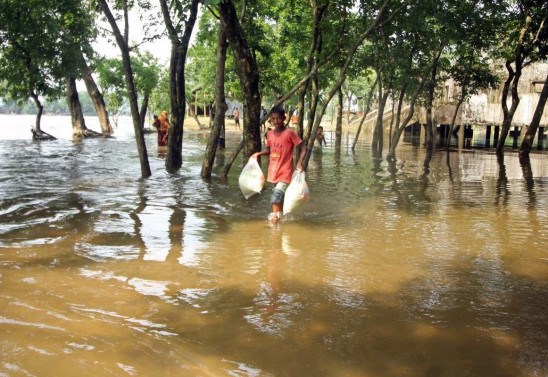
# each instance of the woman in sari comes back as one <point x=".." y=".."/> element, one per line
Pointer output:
<point x="163" y="130"/>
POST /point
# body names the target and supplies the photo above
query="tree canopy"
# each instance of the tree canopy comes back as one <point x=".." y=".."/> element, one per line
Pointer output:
<point x="300" y="53"/>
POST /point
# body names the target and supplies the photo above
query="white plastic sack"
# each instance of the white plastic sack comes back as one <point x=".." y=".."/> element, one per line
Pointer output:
<point x="251" y="179"/>
<point x="297" y="192"/>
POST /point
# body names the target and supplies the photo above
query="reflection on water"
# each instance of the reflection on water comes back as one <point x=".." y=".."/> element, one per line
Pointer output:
<point x="391" y="269"/>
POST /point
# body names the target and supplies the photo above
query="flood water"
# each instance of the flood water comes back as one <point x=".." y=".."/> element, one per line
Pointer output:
<point x="386" y="271"/>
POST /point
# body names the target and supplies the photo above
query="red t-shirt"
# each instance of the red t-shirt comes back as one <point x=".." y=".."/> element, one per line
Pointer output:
<point x="281" y="147"/>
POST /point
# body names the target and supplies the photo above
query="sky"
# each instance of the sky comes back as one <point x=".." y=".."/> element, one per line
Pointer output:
<point x="161" y="48"/>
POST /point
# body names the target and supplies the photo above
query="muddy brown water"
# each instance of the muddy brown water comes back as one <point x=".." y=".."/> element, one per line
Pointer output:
<point x="386" y="271"/>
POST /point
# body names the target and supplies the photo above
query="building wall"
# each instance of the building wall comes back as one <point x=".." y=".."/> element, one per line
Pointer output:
<point x="485" y="108"/>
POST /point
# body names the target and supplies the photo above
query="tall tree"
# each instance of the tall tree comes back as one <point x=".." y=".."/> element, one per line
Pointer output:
<point x="375" y="18"/>
<point x="79" y="128"/>
<point x="220" y="106"/>
<point x="123" y="43"/>
<point x="526" y="22"/>
<point x="248" y="74"/>
<point x="471" y="73"/>
<point x="318" y="12"/>
<point x="367" y="107"/>
<point x="179" y="25"/>
<point x="96" y="96"/>
<point x="36" y="40"/>
<point x="417" y="87"/>
<point x="531" y="130"/>
<point x="110" y="73"/>
<point x="339" y="118"/>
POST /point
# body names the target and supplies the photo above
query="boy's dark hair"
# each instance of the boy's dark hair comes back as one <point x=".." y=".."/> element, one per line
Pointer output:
<point x="277" y="110"/>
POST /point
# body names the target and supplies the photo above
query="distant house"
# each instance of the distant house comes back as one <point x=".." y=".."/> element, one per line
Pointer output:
<point x="485" y="108"/>
<point x="204" y="108"/>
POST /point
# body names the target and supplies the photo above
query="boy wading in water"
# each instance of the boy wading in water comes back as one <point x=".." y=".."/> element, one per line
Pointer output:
<point x="280" y="143"/>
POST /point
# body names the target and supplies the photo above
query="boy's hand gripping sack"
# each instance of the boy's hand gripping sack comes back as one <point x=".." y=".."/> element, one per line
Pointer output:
<point x="297" y="192"/>
<point x="251" y="179"/>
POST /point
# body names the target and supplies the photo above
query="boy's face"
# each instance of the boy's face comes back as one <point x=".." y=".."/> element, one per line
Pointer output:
<point x="277" y="120"/>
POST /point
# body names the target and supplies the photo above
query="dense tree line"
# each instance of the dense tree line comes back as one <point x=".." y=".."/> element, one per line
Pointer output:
<point x="51" y="107"/>
<point x="303" y="55"/>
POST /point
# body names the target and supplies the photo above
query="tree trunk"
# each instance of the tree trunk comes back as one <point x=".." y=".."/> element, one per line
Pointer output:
<point x="429" y="141"/>
<point x="313" y="106"/>
<point x="76" y="114"/>
<point x="249" y="78"/>
<point x="378" y="133"/>
<point x="231" y="159"/>
<point x="40" y="111"/>
<point x="143" y="111"/>
<point x="365" y="112"/>
<point x="179" y="48"/>
<point x="348" y="110"/>
<point x="513" y="80"/>
<point x="531" y="130"/>
<point x="220" y="105"/>
<point x="312" y="61"/>
<point x="122" y="41"/>
<point x="453" y="120"/>
<point x="400" y="127"/>
<point x="300" y="110"/>
<point x="392" y="118"/>
<point x="338" y="123"/>
<point x="97" y="98"/>
<point x="192" y="113"/>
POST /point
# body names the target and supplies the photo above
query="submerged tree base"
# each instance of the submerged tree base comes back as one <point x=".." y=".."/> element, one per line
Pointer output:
<point x="41" y="135"/>
<point x="87" y="133"/>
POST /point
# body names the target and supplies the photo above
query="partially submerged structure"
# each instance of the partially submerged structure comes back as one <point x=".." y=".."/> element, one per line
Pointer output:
<point x="479" y="119"/>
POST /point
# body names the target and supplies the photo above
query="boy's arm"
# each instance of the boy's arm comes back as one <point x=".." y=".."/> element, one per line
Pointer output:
<point x="266" y="152"/>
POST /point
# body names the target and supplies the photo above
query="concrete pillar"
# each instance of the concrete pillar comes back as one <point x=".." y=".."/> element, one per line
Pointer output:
<point x="515" y="137"/>
<point x="421" y="136"/>
<point x="468" y="133"/>
<point x="444" y="130"/>
<point x="461" y="136"/>
<point x="488" y="136"/>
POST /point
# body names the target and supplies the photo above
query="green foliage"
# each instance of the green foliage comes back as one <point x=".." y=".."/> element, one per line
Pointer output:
<point x="528" y="18"/>
<point x="159" y="97"/>
<point x="146" y="73"/>
<point x="40" y="41"/>
<point x="200" y="69"/>
<point x="51" y="107"/>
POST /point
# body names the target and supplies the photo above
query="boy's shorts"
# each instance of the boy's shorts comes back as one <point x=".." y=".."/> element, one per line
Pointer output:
<point x="278" y="193"/>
